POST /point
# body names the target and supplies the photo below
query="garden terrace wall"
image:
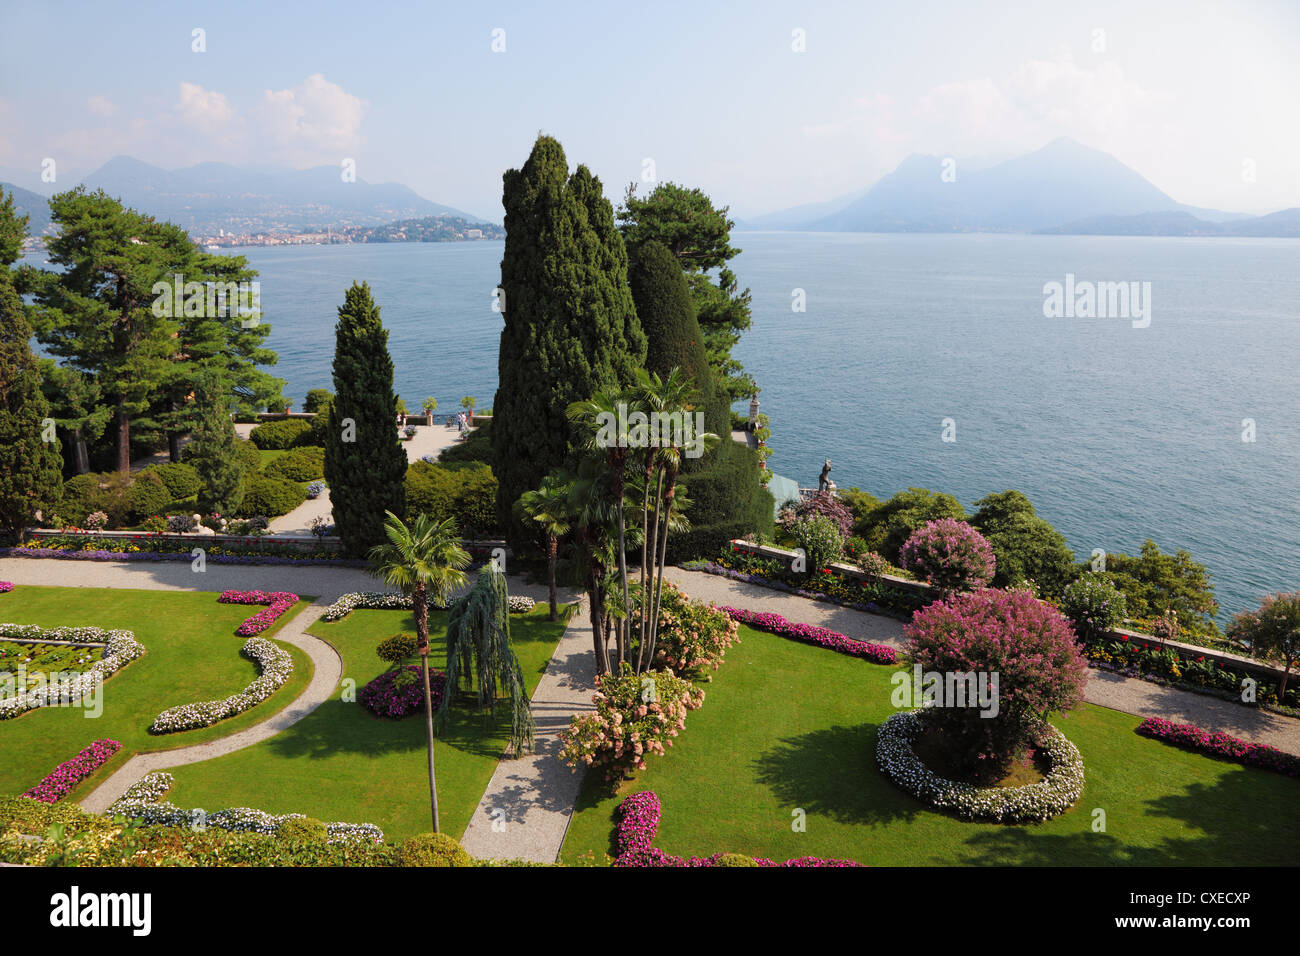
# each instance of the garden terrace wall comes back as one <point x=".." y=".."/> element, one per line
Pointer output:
<point x="1235" y="661"/>
<point x="304" y="542"/>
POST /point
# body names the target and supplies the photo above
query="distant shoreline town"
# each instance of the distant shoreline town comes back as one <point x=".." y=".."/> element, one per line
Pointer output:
<point x="427" y="229"/>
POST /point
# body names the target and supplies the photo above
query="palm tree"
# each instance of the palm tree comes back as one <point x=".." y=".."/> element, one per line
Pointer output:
<point x="425" y="561"/>
<point x="548" y="506"/>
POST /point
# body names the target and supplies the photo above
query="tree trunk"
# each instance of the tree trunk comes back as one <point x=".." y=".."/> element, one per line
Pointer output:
<point x="174" y="446"/>
<point x="123" y="440"/>
<point x="80" y="454"/>
<point x="421" y="609"/>
<point x="552" y="548"/>
<point x="645" y="530"/>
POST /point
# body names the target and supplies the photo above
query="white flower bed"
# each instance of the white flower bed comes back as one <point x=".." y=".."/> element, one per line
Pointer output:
<point x="121" y="648"/>
<point x="1057" y="792"/>
<point x="520" y="604"/>
<point x="371" y="601"/>
<point x="143" y="801"/>
<point x="275" y="664"/>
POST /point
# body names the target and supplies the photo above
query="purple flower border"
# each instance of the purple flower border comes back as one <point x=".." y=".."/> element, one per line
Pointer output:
<point x="63" y="555"/>
<point x="60" y="781"/>
<point x="812" y="634"/>
<point x="6" y="587"/>
<point x="1218" y="744"/>
<point x="277" y="603"/>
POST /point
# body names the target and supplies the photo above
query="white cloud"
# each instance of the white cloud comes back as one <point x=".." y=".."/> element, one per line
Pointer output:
<point x="315" y="121"/>
<point x="101" y="106"/>
<point x="204" y="109"/>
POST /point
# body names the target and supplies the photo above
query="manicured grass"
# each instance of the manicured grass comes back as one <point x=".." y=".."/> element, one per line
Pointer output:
<point x="786" y="726"/>
<point x="192" y="654"/>
<point x="343" y="763"/>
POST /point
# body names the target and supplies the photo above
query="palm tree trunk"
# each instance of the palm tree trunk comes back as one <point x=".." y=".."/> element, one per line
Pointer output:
<point x="625" y="622"/>
<point x="645" y="530"/>
<point x="669" y="494"/>
<point x="421" y="609"/>
<point x="552" y="547"/>
<point x="651" y="619"/>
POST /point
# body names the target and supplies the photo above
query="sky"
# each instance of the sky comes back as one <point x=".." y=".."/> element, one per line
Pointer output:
<point x="764" y="105"/>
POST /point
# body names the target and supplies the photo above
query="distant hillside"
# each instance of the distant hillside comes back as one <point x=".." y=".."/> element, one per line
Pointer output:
<point x="427" y="229"/>
<point x="34" y="205"/>
<point x="213" y="196"/>
<point x="1284" y="224"/>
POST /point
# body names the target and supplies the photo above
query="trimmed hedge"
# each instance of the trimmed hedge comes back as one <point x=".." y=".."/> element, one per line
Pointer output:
<point x="305" y="463"/>
<point x="80" y="497"/>
<point x="182" y="480"/>
<point x="271" y="497"/>
<point x="432" y="849"/>
<point x="465" y="491"/>
<point x="146" y="497"/>
<point x="281" y="434"/>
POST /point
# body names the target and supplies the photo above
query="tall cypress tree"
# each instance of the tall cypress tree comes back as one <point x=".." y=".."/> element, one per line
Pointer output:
<point x="212" y="448"/>
<point x="29" y="464"/>
<point x="570" y="325"/>
<point x="365" y="463"/>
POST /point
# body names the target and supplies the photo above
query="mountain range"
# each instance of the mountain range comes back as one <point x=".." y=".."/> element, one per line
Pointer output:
<point x="209" y="197"/>
<point x="1064" y="187"/>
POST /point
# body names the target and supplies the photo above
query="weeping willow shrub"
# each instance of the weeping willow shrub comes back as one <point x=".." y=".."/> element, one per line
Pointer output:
<point x="479" y="653"/>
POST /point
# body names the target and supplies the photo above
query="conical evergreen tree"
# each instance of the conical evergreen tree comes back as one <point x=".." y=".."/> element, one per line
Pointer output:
<point x="365" y="463"/>
<point x="212" y="448"/>
<point x="570" y="325"/>
<point x="30" y="465"/>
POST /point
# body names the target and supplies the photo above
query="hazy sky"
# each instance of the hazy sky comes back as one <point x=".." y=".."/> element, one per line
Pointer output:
<point x="1195" y="95"/>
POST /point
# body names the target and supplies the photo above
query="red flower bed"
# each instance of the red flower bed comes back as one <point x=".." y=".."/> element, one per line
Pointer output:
<point x="277" y="603"/>
<point x="1218" y="744"/>
<point x="60" y="781"/>
<point x="6" y="587"/>
<point x="638" y="824"/>
<point x="811" y="634"/>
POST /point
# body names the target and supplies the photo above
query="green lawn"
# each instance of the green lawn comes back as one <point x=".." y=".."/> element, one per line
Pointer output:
<point x="192" y="654"/>
<point x="342" y="763"/>
<point x="786" y="726"/>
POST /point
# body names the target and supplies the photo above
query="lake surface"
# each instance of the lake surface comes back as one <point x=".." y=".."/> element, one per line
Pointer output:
<point x="1115" y="433"/>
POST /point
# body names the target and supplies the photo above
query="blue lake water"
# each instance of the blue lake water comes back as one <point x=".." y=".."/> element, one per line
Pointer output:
<point x="1115" y="433"/>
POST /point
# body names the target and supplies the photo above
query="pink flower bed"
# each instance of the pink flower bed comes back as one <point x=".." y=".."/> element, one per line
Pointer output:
<point x="811" y="634"/>
<point x="6" y="587"/>
<point x="638" y="824"/>
<point x="59" y="782"/>
<point x="277" y="603"/>
<point x="1218" y="744"/>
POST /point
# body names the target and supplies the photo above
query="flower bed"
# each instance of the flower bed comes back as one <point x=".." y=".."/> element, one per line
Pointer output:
<point x="399" y="692"/>
<point x="811" y="634"/>
<point x="826" y="586"/>
<point x="519" y="604"/>
<point x="143" y="801"/>
<point x="638" y="824"/>
<point x="63" y="778"/>
<point x="372" y="601"/>
<point x="277" y="603"/>
<point x="214" y="555"/>
<point x="120" y="648"/>
<point x="275" y="664"/>
<point x="1219" y="744"/>
<point x="6" y="587"/>
<point x="1031" y="804"/>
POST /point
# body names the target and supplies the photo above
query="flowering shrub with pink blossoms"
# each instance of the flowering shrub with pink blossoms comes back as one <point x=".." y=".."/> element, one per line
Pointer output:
<point x="693" y="636"/>
<point x="63" y="778"/>
<point x="277" y="603"/>
<point x="638" y="824"/>
<point x="636" y="715"/>
<point x="811" y="634"/>
<point x="1218" y="744"/>
<point x="949" y="554"/>
<point x="6" y="587"/>
<point x="399" y="692"/>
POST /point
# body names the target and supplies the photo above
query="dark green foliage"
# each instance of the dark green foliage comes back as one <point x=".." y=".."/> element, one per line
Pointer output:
<point x="146" y="497"/>
<point x="246" y="453"/>
<point x="860" y="503"/>
<point x="479" y="654"/>
<point x="1024" y="545"/>
<point x="432" y="849"/>
<point x="477" y="446"/>
<point x="302" y="830"/>
<point x="365" y="463"/>
<point x="13" y="230"/>
<point x="889" y="525"/>
<point x="320" y="422"/>
<point x="396" y="649"/>
<point x="271" y="497"/>
<point x="182" y="480"/>
<point x="304" y="463"/>
<point x="216" y="452"/>
<point x="79" y="498"/>
<point x="29" y="466"/>
<point x="317" y="398"/>
<point x="1155" y="583"/>
<point x="465" y="491"/>
<point x="278" y="435"/>
<point x="570" y="326"/>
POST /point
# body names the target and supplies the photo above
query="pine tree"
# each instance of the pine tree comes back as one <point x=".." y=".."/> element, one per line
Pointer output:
<point x="365" y="463"/>
<point x="29" y="463"/>
<point x="570" y="325"/>
<point x="212" y="448"/>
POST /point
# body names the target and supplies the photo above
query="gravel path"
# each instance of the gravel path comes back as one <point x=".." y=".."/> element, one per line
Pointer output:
<point x="1130" y="695"/>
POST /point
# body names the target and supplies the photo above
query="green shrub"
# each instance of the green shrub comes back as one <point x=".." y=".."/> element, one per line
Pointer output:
<point x="1027" y="547"/>
<point x="1155" y="583"/>
<point x="727" y="501"/>
<point x="820" y="538"/>
<point x="271" y="497"/>
<point x="859" y="503"/>
<point x="317" y="398"/>
<point x="281" y="434"/>
<point x="147" y="496"/>
<point x="465" y="491"/>
<point x="432" y="849"/>
<point x="397" y="648"/>
<point x="887" y="526"/>
<point x="734" y="859"/>
<point x="1094" y="605"/>
<point x="182" y="480"/>
<point x="248" y="454"/>
<point x="303" y="830"/>
<point x="80" y="497"/>
<point x="306" y="463"/>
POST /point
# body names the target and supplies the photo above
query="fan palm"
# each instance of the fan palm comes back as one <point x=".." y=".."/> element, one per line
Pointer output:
<point x="548" y="507"/>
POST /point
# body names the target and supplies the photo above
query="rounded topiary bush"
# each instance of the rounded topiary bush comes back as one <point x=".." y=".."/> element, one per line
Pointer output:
<point x="432" y="849"/>
<point x="949" y="554"/>
<point x="302" y="830"/>
<point x="280" y="434"/>
<point x="1094" y="605"/>
<point x="146" y="497"/>
<point x="80" y="497"/>
<point x="734" y="859"/>
<point x="182" y="480"/>
<point x="397" y="648"/>
<point x="271" y="496"/>
<point x="301" y="464"/>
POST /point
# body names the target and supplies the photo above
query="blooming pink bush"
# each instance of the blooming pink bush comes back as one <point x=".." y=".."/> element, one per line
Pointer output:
<point x="636" y="715"/>
<point x="60" y="781"/>
<point x="6" y="587"/>
<point x="277" y="603"/>
<point x="399" y="692"/>
<point x="1218" y="744"/>
<point x="822" y="503"/>
<point x="811" y="634"/>
<point x="949" y="554"/>
<point x="1027" y="649"/>
<point x="638" y="824"/>
<point x="693" y="636"/>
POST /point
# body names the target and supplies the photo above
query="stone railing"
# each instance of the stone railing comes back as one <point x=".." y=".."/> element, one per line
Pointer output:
<point x="303" y="541"/>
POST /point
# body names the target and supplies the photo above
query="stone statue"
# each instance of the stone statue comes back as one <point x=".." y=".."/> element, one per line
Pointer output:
<point x="824" y="481"/>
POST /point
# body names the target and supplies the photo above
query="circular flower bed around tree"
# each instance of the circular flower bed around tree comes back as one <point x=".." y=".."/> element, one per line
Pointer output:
<point x="1031" y="804"/>
<point x="399" y="692"/>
